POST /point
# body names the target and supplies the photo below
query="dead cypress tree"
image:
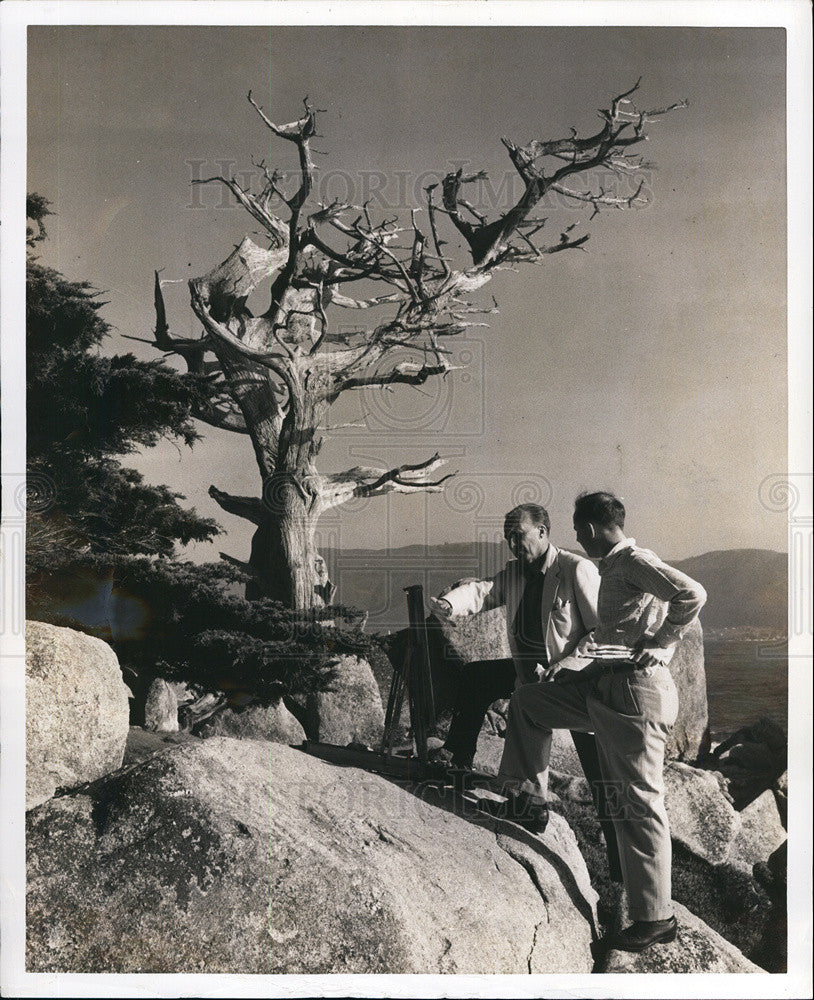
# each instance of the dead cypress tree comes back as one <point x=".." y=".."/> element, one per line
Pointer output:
<point x="274" y="376"/>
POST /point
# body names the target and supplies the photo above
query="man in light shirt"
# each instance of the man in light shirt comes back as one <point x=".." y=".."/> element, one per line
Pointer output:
<point x="550" y="600"/>
<point x="626" y="696"/>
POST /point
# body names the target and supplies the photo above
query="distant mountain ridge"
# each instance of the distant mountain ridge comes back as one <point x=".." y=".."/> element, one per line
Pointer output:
<point x="745" y="587"/>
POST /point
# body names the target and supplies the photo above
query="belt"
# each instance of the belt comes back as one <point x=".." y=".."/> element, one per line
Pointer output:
<point x="616" y="666"/>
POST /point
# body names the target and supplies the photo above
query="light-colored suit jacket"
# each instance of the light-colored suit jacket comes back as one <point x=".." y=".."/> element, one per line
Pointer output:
<point x="568" y="605"/>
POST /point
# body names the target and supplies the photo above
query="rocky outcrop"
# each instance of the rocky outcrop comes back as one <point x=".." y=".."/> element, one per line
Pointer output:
<point x="237" y="856"/>
<point x="700" y="816"/>
<point x="697" y="948"/>
<point x="703" y="820"/>
<point x="77" y="714"/>
<point x="760" y="834"/>
<point x="351" y="712"/>
<point x="256" y="722"/>
<point x="689" y="739"/>
<point x="161" y="708"/>
<point x="751" y="760"/>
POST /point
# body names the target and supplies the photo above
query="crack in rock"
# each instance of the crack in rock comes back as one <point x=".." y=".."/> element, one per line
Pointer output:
<point x="530" y="870"/>
<point x="537" y="927"/>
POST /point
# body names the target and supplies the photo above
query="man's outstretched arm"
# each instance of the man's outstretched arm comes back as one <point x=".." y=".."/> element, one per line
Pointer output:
<point x="468" y="597"/>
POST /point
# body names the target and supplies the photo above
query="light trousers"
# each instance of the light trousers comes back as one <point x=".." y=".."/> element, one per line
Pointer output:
<point x="631" y="712"/>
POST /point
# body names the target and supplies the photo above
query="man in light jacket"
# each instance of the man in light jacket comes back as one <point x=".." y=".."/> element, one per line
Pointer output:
<point x="550" y="599"/>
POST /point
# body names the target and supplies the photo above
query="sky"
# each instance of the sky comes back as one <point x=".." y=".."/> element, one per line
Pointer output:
<point x="652" y="364"/>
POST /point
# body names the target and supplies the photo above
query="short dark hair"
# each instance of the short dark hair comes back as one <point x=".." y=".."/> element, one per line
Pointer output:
<point x="603" y="509"/>
<point x="537" y="514"/>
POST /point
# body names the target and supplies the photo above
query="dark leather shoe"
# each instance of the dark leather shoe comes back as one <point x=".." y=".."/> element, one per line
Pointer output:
<point x="642" y="933"/>
<point x="520" y="808"/>
<point x="442" y="757"/>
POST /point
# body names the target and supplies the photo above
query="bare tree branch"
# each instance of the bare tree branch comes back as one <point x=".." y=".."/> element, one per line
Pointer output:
<point x="256" y="208"/>
<point x="320" y="307"/>
<point x="600" y="198"/>
<point x="333" y="297"/>
<point x="381" y="248"/>
<point x="404" y="373"/>
<point x="624" y="126"/>
<point x="362" y="481"/>
<point x="361" y="268"/>
<point x="191" y="350"/>
<point x="296" y="131"/>
<point x="250" y="508"/>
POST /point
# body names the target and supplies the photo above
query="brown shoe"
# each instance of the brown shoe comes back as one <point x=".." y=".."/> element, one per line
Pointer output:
<point x="642" y="933"/>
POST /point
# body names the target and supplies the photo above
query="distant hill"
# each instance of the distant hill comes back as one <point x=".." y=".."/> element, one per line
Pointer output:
<point x="746" y="587"/>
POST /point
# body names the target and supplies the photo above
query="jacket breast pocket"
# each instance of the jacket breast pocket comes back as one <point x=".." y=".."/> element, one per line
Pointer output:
<point x="561" y="609"/>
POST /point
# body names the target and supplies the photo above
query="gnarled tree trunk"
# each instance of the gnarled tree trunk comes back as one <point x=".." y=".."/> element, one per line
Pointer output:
<point x="284" y="555"/>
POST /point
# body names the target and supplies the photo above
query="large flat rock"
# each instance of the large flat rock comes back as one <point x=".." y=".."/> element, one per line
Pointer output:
<point x="761" y="832"/>
<point x="689" y="739"/>
<point x="242" y="856"/>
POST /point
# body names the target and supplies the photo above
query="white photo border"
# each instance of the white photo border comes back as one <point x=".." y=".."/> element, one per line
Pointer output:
<point x="17" y="15"/>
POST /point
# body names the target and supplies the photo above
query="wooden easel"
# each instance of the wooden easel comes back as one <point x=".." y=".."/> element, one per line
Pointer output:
<point x="413" y="677"/>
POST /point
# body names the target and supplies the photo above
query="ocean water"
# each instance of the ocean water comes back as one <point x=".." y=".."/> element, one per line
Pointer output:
<point x="746" y="679"/>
